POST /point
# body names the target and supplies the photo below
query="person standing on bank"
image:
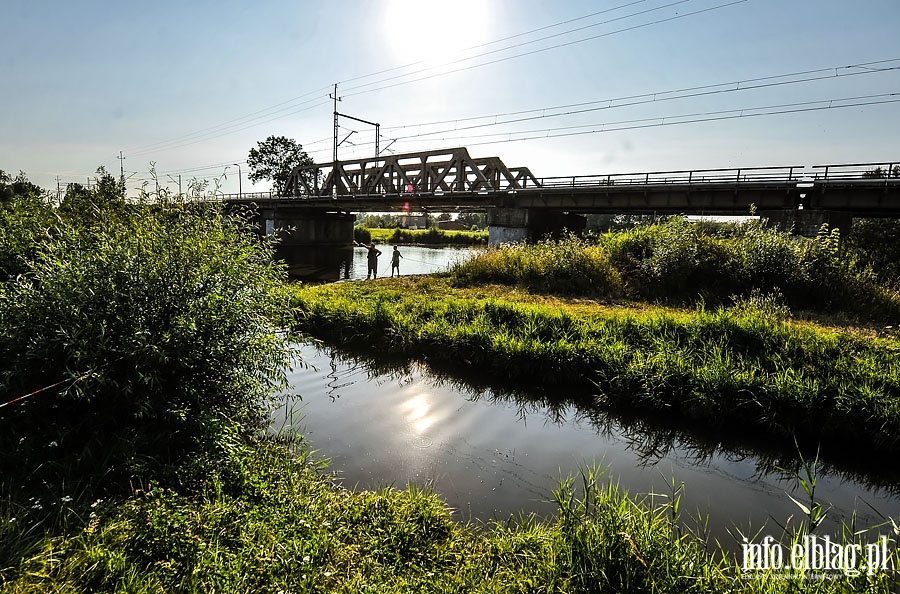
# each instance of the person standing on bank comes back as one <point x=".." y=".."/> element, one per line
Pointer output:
<point x="395" y="261"/>
<point x="374" y="252"/>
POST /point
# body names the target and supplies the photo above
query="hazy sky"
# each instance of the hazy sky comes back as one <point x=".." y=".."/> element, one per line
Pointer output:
<point x="657" y="84"/>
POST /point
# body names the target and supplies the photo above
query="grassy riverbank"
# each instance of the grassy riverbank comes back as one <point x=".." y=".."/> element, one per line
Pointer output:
<point x="690" y="321"/>
<point x="420" y="236"/>
<point x="281" y="526"/>
<point x="681" y="263"/>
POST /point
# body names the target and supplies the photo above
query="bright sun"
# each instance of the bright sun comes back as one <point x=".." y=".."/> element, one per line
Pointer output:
<point x="431" y="31"/>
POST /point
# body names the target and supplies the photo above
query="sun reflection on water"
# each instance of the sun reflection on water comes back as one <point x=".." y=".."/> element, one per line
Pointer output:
<point x="418" y="413"/>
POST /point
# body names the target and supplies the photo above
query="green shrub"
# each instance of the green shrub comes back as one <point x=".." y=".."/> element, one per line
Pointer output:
<point x="872" y="246"/>
<point x="160" y="322"/>
<point x="682" y="263"/>
<point x="362" y="234"/>
<point x="24" y="223"/>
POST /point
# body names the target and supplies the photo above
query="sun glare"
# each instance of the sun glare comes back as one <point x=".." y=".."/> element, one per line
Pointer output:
<point x="418" y="413"/>
<point x="434" y="32"/>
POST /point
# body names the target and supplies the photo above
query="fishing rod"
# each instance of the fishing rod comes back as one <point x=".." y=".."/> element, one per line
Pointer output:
<point x="39" y="390"/>
<point x="422" y="262"/>
<point x="73" y="380"/>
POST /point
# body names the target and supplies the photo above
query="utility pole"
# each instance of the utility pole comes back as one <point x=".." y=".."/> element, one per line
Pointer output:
<point x="121" y="168"/>
<point x="350" y="117"/>
<point x="240" y="193"/>
<point x="336" y="99"/>
<point x="343" y="115"/>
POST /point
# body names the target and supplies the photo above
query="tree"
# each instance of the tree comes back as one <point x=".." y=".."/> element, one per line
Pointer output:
<point x="274" y="160"/>
<point x="11" y="187"/>
<point x="107" y="191"/>
<point x="879" y="173"/>
<point x="472" y="219"/>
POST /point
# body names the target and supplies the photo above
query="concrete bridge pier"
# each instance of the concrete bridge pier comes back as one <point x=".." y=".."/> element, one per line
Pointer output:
<point x="808" y="221"/>
<point x="512" y="225"/>
<point x="315" y="244"/>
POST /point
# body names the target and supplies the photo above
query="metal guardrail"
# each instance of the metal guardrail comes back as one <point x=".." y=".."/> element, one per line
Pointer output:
<point x="855" y="171"/>
<point x="741" y="175"/>
<point x="248" y="196"/>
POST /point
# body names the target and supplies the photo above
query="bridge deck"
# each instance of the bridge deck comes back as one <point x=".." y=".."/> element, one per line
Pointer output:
<point x="451" y="180"/>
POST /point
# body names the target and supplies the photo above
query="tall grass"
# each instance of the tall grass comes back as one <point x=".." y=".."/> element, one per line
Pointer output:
<point x="291" y="529"/>
<point x="683" y="263"/>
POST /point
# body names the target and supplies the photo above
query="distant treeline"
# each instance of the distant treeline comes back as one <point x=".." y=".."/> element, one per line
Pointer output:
<point x="420" y="236"/>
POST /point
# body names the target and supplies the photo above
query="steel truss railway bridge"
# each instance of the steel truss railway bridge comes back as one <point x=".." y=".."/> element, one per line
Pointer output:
<point x="521" y="205"/>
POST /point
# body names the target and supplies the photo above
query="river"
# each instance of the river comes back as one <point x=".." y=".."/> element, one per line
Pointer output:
<point x="490" y="454"/>
<point x="414" y="260"/>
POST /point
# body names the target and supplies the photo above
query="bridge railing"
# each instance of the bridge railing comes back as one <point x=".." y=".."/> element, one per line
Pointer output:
<point x="854" y="171"/>
<point x="455" y="171"/>
<point x="247" y="196"/>
<point x="683" y="177"/>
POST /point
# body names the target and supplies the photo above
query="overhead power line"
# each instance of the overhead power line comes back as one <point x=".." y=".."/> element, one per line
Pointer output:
<point x="644" y="100"/>
<point x="501" y="40"/>
<point x="535" y="51"/>
<point x="243" y="123"/>
<point x="693" y="118"/>
<point x="225" y="125"/>
<point x="659" y="96"/>
<point x="494" y="120"/>
<point x="322" y="90"/>
<point x="831" y="72"/>
<point x="224" y="132"/>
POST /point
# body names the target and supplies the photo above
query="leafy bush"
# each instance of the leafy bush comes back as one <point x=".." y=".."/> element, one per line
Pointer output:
<point x="568" y="266"/>
<point x="362" y="234"/>
<point x="684" y="262"/>
<point x="681" y="263"/>
<point x="159" y="322"/>
<point x="24" y="223"/>
<point x="872" y="245"/>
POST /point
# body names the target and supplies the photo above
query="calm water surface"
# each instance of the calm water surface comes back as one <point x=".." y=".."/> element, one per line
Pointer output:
<point x="415" y="260"/>
<point x="489" y="455"/>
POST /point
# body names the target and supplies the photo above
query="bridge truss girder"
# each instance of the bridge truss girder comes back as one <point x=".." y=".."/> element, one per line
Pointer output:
<point x="445" y="170"/>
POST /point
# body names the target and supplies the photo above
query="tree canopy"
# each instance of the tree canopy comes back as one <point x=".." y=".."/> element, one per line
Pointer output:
<point x="108" y="191"/>
<point x="11" y="187"/>
<point x="274" y="159"/>
<point x="879" y="173"/>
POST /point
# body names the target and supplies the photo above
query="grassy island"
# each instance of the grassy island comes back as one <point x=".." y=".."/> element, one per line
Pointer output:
<point x="143" y="342"/>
